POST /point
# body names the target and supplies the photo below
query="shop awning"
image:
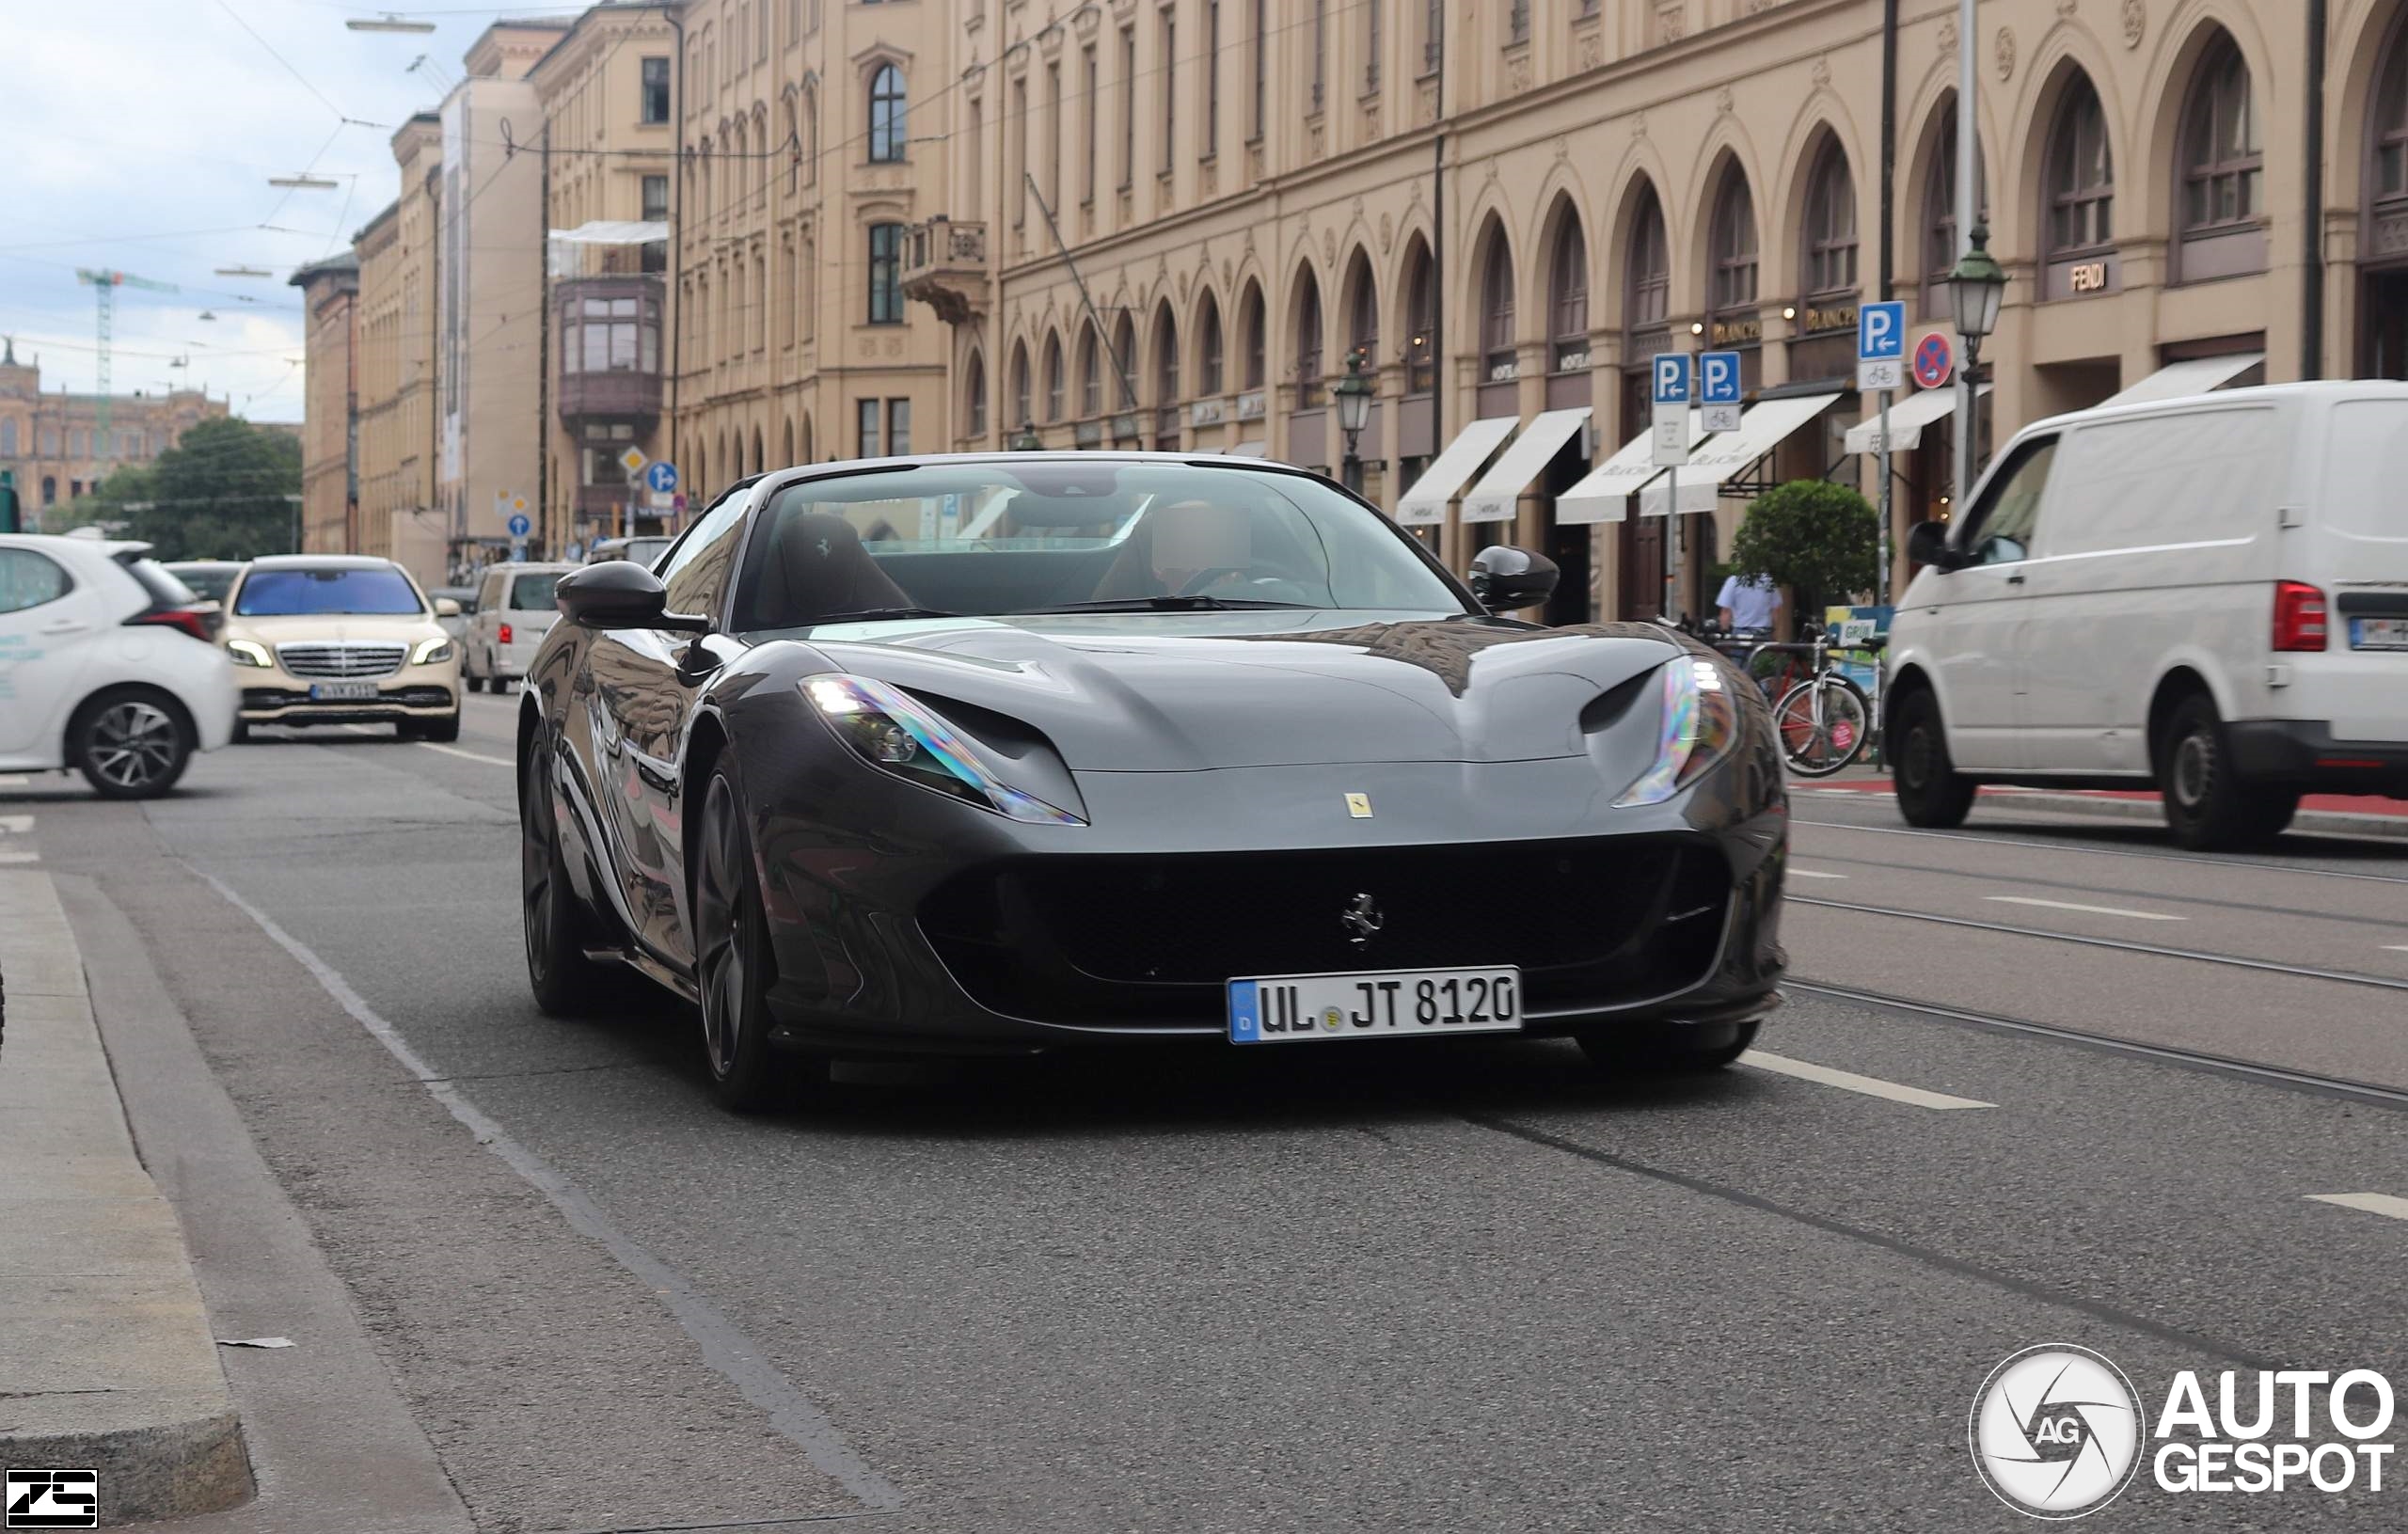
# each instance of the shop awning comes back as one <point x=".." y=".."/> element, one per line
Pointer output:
<point x="1908" y="419"/>
<point x="1604" y="494"/>
<point x="1426" y="503"/>
<point x="1726" y="456"/>
<point x="1492" y="499"/>
<point x="2200" y="375"/>
<point x="612" y="231"/>
<point x="1251" y="449"/>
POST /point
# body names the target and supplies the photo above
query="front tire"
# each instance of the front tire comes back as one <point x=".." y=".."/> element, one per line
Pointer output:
<point x="731" y="964"/>
<point x="130" y="743"/>
<point x="1669" y="1049"/>
<point x="566" y="982"/>
<point x="1818" y="749"/>
<point x="1932" y="794"/>
<point x="2208" y="808"/>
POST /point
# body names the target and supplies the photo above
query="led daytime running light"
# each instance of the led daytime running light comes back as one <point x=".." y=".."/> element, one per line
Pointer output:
<point x="1699" y="724"/>
<point x="848" y="701"/>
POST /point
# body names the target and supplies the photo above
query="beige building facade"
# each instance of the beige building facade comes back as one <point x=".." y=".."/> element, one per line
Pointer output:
<point x="56" y="446"/>
<point x="1508" y="208"/>
<point x="813" y="135"/>
<point x="398" y="516"/>
<point x="331" y="409"/>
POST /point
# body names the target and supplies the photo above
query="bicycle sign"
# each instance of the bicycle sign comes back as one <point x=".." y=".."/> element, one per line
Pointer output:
<point x="1880" y="346"/>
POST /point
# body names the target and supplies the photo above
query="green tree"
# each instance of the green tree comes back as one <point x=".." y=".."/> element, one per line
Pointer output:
<point x="1820" y="540"/>
<point x="226" y="490"/>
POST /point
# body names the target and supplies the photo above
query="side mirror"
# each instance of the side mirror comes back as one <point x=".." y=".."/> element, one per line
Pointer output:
<point x="1928" y="544"/>
<point x="446" y="607"/>
<point x="619" y="594"/>
<point x="1505" y="579"/>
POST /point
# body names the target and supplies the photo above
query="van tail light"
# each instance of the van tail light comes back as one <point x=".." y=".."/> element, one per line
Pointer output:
<point x="505" y="628"/>
<point x="184" y="619"/>
<point x="2299" y="616"/>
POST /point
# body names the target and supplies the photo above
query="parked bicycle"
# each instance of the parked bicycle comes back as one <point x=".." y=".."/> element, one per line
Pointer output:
<point x="1824" y="719"/>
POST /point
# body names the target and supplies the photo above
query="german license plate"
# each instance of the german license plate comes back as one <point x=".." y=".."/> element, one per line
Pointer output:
<point x="1377" y="1003"/>
<point x="340" y="692"/>
<point x="2378" y="633"/>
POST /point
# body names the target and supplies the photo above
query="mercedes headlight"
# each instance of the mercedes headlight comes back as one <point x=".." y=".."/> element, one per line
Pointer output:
<point x="889" y="729"/>
<point x="431" y="651"/>
<point x="248" y="652"/>
<point x="1699" y="726"/>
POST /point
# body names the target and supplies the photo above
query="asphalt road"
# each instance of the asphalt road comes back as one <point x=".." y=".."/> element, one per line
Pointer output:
<point x="1463" y="1286"/>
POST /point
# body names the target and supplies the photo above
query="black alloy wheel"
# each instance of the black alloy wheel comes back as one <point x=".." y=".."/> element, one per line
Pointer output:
<point x="130" y="743"/>
<point x="1931" y="792"/>
<point x="2207" y="807"/>
<point x="566" y="982"/>
<point x="732" y="965"/>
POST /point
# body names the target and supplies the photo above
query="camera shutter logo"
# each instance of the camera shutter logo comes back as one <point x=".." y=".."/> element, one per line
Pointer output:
<point x="54" y="1499"/>
<point x="2056" y="1431"/>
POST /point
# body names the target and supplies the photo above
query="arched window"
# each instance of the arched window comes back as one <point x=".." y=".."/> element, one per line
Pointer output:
<point x="1090" y="374"/>
<point x="1208" y="348"/>
<point x="809" y="132"/>
<point x="1251" y="336"/>
<point x="1497" y="363"/>
<point x="2081" y="175"/>
<point x="1053" y="378"/>
<point x="786" y="445"/>
<point x="2223" y="158"/>
<point x="1421" y="321"/>
<point x="1733" y="243"/>
<point x="1567" y="299"/>
<point x="1020" y="383"/>
<point x="1649" y="270"/>
<point x="1167" y="390"/>
<point x="1831" y="225"/>
<point x="887" y="132"/>
<point x="974" y="408"/>
<point x="1362" y="311"/>
<point x="1124" y="350"/>
<point x="1309" y="327"/>
<point x="8" y="438"/>
<point x="2389" y="128"/>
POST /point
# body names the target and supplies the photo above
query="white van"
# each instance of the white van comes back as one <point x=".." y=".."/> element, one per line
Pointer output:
<point x="2210" y="594"/>
<point x="513" y="612"/>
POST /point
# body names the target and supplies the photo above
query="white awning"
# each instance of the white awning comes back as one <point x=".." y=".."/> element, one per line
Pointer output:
<point x="1908" y="419"/>
<point x="1604" y="494"/>
<point x="2200" y="375"/>
<point x="1725" y="456"/>
<point x="1251" y="449"/>
<point x="1492" y="499"/>
<point x="1426" y="503"/>
<point x="612" y="231"/>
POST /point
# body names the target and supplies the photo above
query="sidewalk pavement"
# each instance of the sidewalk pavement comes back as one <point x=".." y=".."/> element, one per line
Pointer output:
<point x="106" y="1360"/>
<point x="2334" y="815"/>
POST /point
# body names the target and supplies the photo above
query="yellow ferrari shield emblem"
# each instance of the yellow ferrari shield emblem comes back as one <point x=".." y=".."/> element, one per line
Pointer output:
<point x="1360" y="806"/>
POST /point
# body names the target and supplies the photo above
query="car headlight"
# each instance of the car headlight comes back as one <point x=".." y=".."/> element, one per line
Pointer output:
<point x="248" y="652"/>
<point x="1700" y="725"/>
<point x="889" y="729"/>
<point x="431" y="651"/>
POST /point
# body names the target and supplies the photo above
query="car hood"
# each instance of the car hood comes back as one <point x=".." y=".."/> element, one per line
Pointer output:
<point x="1159" y="692"/>
<point x="329" y="627"/>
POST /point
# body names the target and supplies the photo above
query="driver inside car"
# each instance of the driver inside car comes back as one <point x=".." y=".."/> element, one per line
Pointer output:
<point x="1191" y="547"/>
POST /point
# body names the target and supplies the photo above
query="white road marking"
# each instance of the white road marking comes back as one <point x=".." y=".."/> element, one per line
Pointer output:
<point x="2371" y="1203"/>
<point x="1795" y="872"/>
<point x="2395" y="947"/>
<point x="20" y="856"/>
<point x="1849" y="1081"/>
<point x="15" y="825"/>
<point x="2095" y="911"/>
<point x="454" y="751"/>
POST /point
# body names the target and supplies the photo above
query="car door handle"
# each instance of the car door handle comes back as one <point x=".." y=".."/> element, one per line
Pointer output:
<point x="2016" y="579"/>
<point x="65" y="625"/>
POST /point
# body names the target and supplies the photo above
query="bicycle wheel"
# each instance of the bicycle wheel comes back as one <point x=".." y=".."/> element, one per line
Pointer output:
<point x="1823" y="724"/>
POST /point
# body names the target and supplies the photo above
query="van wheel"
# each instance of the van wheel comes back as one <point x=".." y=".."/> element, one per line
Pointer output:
<point x="475" y="683"/>
<point x="1931" y="792"/>
<point x="2207" y="807"/>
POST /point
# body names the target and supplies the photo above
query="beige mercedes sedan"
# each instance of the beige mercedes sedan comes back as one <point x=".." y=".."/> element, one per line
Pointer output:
<point x="342" y="639"/>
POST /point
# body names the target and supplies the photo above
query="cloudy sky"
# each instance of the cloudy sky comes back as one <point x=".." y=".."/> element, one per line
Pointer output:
<point x="140" y="135"/>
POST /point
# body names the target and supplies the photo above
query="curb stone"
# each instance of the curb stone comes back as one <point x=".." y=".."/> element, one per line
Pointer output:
<point x="106" y="1359"/>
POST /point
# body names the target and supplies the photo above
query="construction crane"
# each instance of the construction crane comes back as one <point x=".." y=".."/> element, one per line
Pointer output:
<point x="105" y="286"/>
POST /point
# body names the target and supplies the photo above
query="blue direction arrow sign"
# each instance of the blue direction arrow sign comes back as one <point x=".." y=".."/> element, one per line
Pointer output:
<point x="660" y="476"/>
<point x="520" y="527"/>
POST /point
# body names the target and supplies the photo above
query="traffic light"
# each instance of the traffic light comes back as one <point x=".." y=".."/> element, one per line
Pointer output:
<point x="9" y="521"/>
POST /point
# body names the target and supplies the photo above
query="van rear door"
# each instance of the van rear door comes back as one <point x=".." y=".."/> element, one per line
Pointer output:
<point x="2354" y="548"/>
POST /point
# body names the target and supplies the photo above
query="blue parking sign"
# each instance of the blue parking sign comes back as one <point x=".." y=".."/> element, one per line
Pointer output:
<point x="1881" y="332"/>
<point x="1671" y="378"/>
<point x="1718" y="378"/>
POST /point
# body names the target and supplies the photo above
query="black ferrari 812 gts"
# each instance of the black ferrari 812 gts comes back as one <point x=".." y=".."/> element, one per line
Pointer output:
<point x="1010" y="752"/>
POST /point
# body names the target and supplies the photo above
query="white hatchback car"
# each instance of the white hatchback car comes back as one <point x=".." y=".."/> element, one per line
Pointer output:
<point x="512" y="613"/>
<point x="109" y="665"/>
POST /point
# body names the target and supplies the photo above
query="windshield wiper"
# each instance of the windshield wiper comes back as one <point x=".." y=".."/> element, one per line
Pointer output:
<point x="1164" y="604"/>
<point x="873" y="615"/>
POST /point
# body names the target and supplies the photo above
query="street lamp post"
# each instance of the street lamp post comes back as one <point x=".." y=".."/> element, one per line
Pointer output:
<point x="1975" y="285"/>
<point x="1354" y="395"/>
<point x="1026" y="439"/>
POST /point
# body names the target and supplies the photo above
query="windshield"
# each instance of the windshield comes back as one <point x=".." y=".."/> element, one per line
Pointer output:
<point x="209" y="581"/>
<point x="988" y="539"/>
<point x="530" y="591"/>
<point x="284" y="593"/>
